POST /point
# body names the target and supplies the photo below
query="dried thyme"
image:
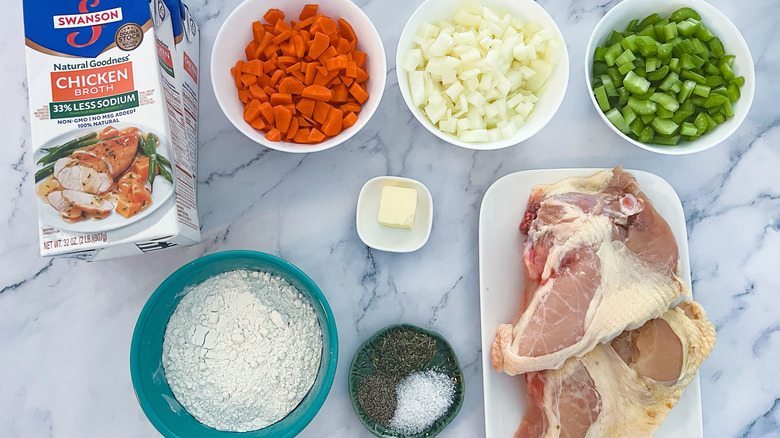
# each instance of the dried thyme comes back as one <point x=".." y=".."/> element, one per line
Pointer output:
<point x="401" y="353"/>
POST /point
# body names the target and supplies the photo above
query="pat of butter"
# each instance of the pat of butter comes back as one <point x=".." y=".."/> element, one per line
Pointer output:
<point x="397" y="207"/>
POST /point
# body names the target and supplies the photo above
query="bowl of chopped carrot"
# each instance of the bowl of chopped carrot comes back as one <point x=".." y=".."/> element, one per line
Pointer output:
<point x="298" y="77"/>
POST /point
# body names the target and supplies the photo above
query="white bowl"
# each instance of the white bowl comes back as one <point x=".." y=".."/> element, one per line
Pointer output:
<point x="393" y="239"/>
<point x="236" y="33"/>
<point x="618" y="18"/>
<point x="527" y="10"/>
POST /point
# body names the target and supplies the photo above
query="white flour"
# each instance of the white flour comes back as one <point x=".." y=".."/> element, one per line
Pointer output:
<point x="241" y="350"/>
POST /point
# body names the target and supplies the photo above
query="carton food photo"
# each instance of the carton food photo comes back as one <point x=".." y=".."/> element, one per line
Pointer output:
<point x="113" y="90"/>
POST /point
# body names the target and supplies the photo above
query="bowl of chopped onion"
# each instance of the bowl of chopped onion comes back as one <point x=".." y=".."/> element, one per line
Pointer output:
<point x="482" y="75"/>
<point x="670" y="76"/>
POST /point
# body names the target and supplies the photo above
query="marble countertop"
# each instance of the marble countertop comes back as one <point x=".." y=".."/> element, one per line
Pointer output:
<point x="66" y="325"/>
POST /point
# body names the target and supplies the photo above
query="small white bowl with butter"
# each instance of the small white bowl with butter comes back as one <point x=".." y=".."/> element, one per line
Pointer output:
<point x="394" y="214"/>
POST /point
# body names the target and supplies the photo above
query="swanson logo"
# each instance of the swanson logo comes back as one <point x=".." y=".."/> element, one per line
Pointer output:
<point x="86" y="18"/>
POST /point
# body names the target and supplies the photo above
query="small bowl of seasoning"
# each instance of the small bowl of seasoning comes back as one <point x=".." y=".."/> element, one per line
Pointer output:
<point x="237" y="343"/>
<point x="405" y="381"/>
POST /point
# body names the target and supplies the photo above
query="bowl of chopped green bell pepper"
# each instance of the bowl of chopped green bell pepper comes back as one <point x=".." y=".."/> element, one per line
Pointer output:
<point x="670" y="76"/>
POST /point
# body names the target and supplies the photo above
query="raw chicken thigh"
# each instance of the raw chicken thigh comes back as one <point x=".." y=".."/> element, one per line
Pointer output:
<point x="598" y="260"/>
<point x="624" y="388"/>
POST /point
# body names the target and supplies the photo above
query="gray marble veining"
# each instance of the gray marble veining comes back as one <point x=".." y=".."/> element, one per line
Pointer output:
<point x="65" y="326"/>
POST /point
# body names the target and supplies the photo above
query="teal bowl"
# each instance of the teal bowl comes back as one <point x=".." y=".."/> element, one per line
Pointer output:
<point x="146" y="368"/>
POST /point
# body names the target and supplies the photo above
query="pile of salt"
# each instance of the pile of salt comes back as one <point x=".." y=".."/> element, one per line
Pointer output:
<point x="423" y="397"/>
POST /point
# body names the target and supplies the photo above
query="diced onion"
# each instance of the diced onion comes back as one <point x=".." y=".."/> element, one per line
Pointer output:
<point x="479" y="75"/>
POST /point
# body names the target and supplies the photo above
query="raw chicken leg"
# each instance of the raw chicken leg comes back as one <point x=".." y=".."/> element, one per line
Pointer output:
<point x="598" y="260"/>
<point x="625" y="388"/>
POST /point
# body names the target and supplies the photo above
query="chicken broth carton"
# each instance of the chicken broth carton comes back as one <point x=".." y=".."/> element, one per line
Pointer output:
<point x="113" y="91"/>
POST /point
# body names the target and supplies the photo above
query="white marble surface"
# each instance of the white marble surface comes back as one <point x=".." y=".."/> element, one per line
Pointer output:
<point x="65" y="325"/>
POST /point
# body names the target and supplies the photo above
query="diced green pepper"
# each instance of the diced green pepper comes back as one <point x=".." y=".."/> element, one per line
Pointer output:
<point x="622" y="96"/>
<point x="701" y="90"/>
<point x="728" y="73"/>
<point x="616" y="119"/>
<point x="627" y="67"/>
<point x="670" y="31"/>
<point x="688" y="74"/>
<point x="625" y="57"/>
<point x="688" y="129"/>
<point x="717" y="47"/>
<point x="686" y="91"/>
<point x="686" y="110"/>
<point x="601" y="98"/>
<point x="670" y="79"/>
<point x="636" y="84"/>
<point x="715" y="100"/>
<point x="646" y="136"/>
<point x="658" y="74"/>
<point x="684" y="14"/>
<point x="641" y="107"/>
<point x="598" y="54"/>
<point x="649" y="20"/>
<point x="668" y="102"/>
<point x="665" y="140"/>
<point x="608" y="85"/>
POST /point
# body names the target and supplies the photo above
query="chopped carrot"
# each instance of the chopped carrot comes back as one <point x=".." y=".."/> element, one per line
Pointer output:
<point x="305" y="106"/>
<point x="293" y="69"/>
<point x="258" y="31"/>
<point x="273" y="15"/>
<point x="290" y="85"/>
<point x="311" y="70"/>
<point x="351" y="107"/>
<point x="337" y="62"/>
<point x="332" y="124"/>
<point x="298" y="75"/>
<point x="321" y="110"/>
<point x="280" y="99"/>
<point x="317" y="92"/>
<point x="342" y="46"/>
<point x="302" y="136"/>
<point x="284" y="36"/>
<point x="282" y="118"/>
<point x="277" y="76"/>
<point x="345" y="29"/>
<point x="257" y="92"/>
<point x="286" y="61"/>
<point x="280" y="27"/>
<point x="293" y="129"/>
<point x="330" y="52"/>
<point x="244" y="95"/>
<point x="253" y="67"/>
<point x="304" y="23"/>
<point x="348" y="120"/>
<point x="300" y="46"/>
<point x="268" y="112"/>
<point x="351" y="69"/>
<point x="252" y="110"/>
<point x="273" y="135"/>
<point x="362" y="76"/>
<point x="360" y="94"/>
<point x="340" y="93"/>
<point x="258" y="123"/>
<point x="250" y="50"/>
<point x="325" y="24"/>
<point x="315" y="136"/>
<point x="308" y="11"/>
<point x="319" y="45"/>
<point x="359" y="57"/>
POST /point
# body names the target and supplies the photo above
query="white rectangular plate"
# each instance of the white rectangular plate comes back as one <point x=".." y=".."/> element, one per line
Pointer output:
<point x="501" y="283"/>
